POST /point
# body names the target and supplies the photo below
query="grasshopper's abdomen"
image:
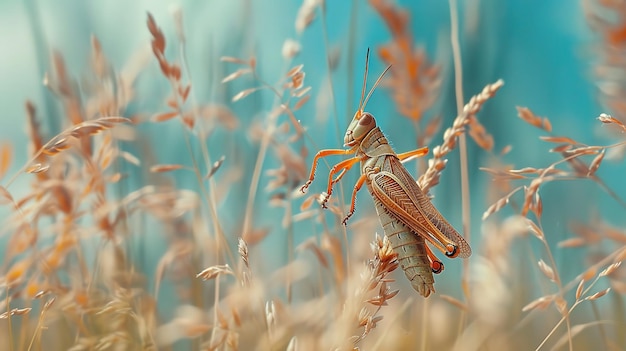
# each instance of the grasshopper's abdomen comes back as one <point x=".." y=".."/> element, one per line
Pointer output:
<point x="411" y="251"/>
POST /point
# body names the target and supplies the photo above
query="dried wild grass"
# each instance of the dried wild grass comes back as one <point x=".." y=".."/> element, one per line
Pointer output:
<point x="435" y="165"/>
<point x="75" y="275"/>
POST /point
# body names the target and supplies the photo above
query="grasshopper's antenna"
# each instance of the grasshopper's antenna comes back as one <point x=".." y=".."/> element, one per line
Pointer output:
<point x="380" y="78"/>
<point x="367" y="58"/>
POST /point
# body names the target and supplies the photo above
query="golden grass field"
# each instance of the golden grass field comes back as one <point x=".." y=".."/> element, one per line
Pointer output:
<point x="148" y="229"/>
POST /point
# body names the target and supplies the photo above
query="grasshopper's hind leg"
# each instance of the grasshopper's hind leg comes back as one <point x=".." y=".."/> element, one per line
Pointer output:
<point x="409" y="155"/>
<point x="435" y="264"/>
<point x="356" y="189"/>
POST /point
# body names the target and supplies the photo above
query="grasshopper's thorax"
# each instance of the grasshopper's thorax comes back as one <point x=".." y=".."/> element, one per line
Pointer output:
<point x="375" y="144"/>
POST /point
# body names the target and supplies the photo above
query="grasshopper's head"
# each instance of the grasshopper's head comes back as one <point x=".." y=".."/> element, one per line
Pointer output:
<point x="361" y="124"/>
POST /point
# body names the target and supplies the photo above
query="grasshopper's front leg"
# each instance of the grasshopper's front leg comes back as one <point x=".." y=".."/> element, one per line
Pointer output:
<point x="322" y="153"/>
<point x="341" y="168"/>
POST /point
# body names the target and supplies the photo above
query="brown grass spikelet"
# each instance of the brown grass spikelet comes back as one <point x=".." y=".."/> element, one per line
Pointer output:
<point x="242" y="94"/>
<point x="546" y="270"/>
<point x="595" y="164"/>
<point x="170" y="70"/>
<point x="621" y="256"/>
<point x="607" y="19"/>
<point x="561" y="305"/>
<point x="385" y="261"/>
<point x="480" y="135"/>
<point x="238" y="73"/>
<point x="35" y="137"/>
<point x="6" y="152"/>
<point x="579" y="289"/>
<point x="414" y="82"/>
<point x="607" y="119"/>
<point x="496" y="206"/>
<point x="598" y="295"/>
<point x="17" y="271"/>
<point x="165" y="168"/>
<point x="242" y="248"/>
<point x="306" y="14"/>
<point x="559" y="140"/>
<point x="610" y="269"/>
<point x="15" y="312"/>
<point x="5" y="196"/>
<point x="215" y="167"/>
<point x="529" y="117"/>
<point x="572" y="242"/>
<point x="293" y="344"/>
<point x="437" y="163"/>
<point x="165" y="116"/>
<point x="540" y="303"/>
<point x="213" y="271"/>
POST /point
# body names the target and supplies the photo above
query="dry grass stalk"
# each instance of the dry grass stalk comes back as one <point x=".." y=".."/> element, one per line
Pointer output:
<point x="243" y="252"/>
<point x="436" y="164"/>
<point x="547" y="270"/>
<point x="455" y="302"/>
<point x="293" y="81"/>
<point x="306" y="14"/>
<point x="384" y="262"/>
<point x="571" y="150"/>
<point x="15" y="312"/>
<point x="529" y="117"/>
<point x="414" y="81"/>
<point x="246" y="274"/>
<point x="608" y="19"/>
<point x="607" y="119"/>
<point x="165" y="168"/>
<point x="216" y="165"/>
<point x="173" y="72"/>
<point x="104" y="302"/>
<point x="581" y="296"/>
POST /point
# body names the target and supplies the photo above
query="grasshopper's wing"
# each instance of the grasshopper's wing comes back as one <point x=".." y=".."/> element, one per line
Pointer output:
<point x="398" y="191"/>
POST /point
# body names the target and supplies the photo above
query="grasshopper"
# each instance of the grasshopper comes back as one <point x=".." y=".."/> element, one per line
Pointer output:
<point x="406" y="214"/>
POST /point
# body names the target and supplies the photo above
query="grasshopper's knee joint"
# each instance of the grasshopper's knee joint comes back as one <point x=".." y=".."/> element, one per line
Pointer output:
<point x="345" y="220"/>
<point x="453" y="251"/>
<point x="437" y="267"/>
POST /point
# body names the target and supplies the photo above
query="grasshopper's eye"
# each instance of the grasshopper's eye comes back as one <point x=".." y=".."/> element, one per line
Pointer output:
<point x="367" y="119"/>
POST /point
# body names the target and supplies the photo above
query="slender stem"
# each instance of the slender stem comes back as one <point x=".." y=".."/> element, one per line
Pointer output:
<point x="458" y="87"/>
<point x="559" y="283"/>
<point x="424" y="344"/>
<point x="566" y="316"/>
<point x="9" y="319"/>
<point x="391" y="323"/>
<point x="207" y="191"/>
<point x="290" y="244"/>
<point x="596" y="314"/>
<point x="337" y="130"/>
<point x="256" y="175"/>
